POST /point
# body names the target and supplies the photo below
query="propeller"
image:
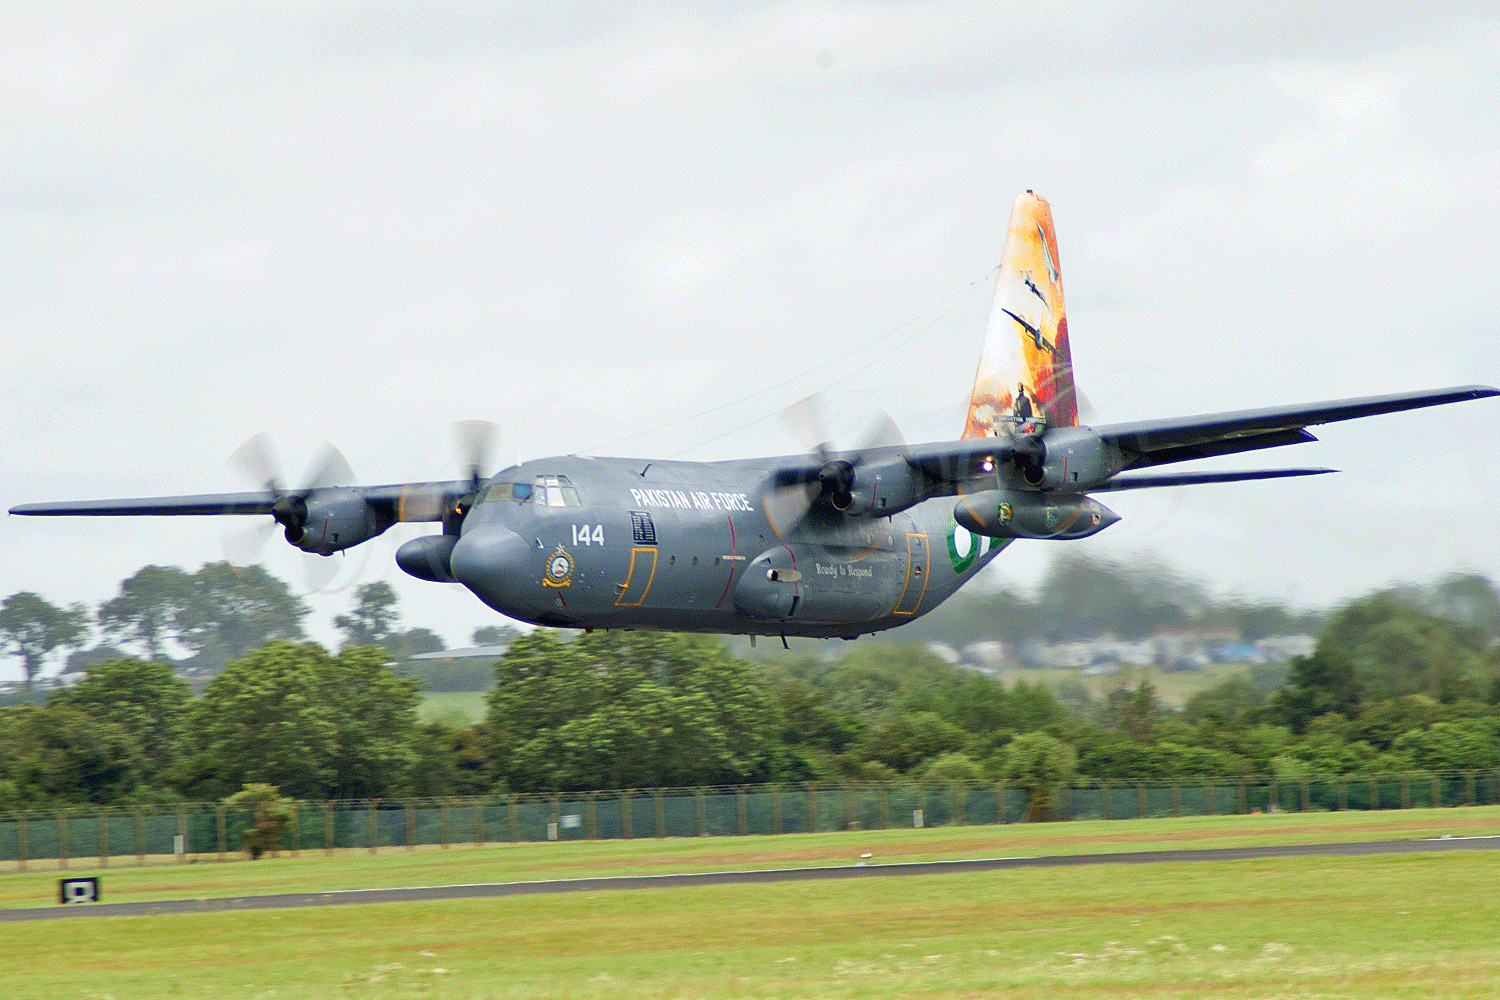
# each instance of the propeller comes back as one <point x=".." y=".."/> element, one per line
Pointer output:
<point x="797" y="491"/>
<point x="256" y="461"/>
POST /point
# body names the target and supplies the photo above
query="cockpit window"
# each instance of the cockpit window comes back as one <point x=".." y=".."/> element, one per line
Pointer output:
<point x="555" y="491"/>
<point x="519" y="492"/>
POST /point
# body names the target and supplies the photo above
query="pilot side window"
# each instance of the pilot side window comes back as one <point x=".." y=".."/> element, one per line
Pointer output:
<point x="519" y="492"/>
<point x="555" y="491"/>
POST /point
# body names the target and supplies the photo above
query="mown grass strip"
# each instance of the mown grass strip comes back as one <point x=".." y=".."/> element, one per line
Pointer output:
<point x="1409" y="926"/>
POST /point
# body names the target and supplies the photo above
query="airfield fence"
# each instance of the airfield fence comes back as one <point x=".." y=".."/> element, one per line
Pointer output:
<point x="158" y="834"/>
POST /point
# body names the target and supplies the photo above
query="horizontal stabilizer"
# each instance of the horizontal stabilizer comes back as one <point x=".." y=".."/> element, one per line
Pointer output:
<point x="1200" y="478"/>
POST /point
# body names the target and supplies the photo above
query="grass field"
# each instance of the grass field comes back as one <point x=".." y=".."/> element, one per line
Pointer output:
<point x="454" y="708"/>
<point x="1408" y="926"/>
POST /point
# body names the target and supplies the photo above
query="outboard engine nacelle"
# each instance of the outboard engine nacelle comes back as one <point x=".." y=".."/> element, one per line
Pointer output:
<point x="1020" y="514"/>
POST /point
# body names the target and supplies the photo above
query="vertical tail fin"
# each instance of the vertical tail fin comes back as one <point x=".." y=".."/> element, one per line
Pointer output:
<point x="1025" y="378"/>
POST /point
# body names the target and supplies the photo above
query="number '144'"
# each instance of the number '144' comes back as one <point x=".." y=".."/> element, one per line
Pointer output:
<point x="584" y="534"/>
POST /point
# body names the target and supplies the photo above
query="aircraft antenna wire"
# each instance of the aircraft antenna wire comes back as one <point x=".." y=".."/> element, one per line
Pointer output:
<point x="947" y="305"/>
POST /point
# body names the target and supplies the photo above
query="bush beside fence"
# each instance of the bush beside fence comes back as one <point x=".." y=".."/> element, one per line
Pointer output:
<point x="87" y="835"/>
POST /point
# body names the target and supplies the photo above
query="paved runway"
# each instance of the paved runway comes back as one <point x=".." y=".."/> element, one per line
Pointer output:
<point x="876" y="870"/>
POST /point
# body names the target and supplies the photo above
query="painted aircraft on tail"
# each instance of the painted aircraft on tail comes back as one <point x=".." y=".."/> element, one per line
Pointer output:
<point x="828" y="544"/>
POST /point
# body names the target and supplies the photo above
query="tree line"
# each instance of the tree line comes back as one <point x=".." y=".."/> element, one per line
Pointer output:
<point x="1391" y="686"/>
<point x="216" y="615"/>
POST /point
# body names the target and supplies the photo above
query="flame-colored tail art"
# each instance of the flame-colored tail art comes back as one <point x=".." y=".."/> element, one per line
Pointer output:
<point x="1025" y="379"/>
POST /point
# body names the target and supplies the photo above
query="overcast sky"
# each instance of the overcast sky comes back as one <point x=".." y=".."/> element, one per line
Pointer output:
<point x="363" y="222"/>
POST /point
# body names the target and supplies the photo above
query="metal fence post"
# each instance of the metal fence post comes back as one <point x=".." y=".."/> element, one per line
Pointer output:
<point x="372" y="823"/>
<point x="958" y="803"/>
<point x="850" y="822"/>
<point x="776" y="808"/>
<point x="883" y="803"/>
<point x="1140" y="800"/>
<point x="1306" y="793"/>
<point x="1208" y="797"/>
<point x="512" y="820"/>
<point x="328" y="835"/>
<point x="62" y="839"/>
<point x="1273" y="796"/>
<point x="742" y="811"/>
<point x="590" y="816"/>
<point x="1241" y="806"/>
<point x="1436" y="799"/>
<point x="1375" y="790"/>
<point x="101" y="824"/>
<point x="21" y="840"/>
<point x="411" y="825"/>
<point x="443" y="822"/>
<point x="698" y="800"/>
<point x="140" y="835"/>
<point x="182" y="832"/>
<point x="1469" y="787"/>
<point x="1343" y="792"/>
<point x="1405" y="789"/>
<point x="479" y="821"/>
<point x="1104" y="799"/>
<point x="812" y="807"/>
<point x="1176" y="798"/>
<point x="223" y="833"/>
<point x="626" y="813"/>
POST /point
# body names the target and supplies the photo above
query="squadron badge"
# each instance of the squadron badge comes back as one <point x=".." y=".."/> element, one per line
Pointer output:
<point x="559" y="569"/>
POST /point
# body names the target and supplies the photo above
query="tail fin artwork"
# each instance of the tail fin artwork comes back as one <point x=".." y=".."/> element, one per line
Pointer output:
<point x="1025" y="378"/>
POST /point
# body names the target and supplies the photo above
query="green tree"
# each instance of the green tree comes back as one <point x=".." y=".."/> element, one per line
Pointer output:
<point x="1318" y="684"/>
<point x="632" y="709"/>
<point x="1395" y="650"/>
<point x="60" y="754"/>
<point x="1040" y="764"/>
<point x="312" y="724"/>
<point x="908" y="739"/>
<point x="144" y="699"/>
<point x="231" y="611"/>
<point x="374" y="616"/>
<point x="147" y="608"/>
<point x="270" y="816"/>
<point x="31" y="627"/>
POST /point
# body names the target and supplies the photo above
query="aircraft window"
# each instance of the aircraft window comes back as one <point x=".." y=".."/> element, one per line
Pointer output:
<point x="555" y="491"/>
<point x="520" y="492"/>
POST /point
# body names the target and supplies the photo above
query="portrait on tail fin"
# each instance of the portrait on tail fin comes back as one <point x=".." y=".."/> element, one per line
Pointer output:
<point x="1025" y="378"/>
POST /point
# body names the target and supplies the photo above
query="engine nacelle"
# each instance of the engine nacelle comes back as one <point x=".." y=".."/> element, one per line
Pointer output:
<point x="331" y="520"/>
<point x="1018" y="514"/>
<point x="428" y="558"/>
<point x="1072" y="458"/>
<point x="883" y="488"/>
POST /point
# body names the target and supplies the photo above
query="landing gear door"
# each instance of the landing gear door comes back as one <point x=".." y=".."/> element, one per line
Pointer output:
<point x="917" y="566"/>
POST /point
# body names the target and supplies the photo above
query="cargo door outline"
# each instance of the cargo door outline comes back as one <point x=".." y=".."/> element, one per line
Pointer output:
<point x="634" y="590"/>
<point x="918" y="562"/>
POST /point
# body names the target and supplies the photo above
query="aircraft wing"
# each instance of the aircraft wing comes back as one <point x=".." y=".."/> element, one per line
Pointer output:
<point x="405" y="501"/>
<point x="1181" y="439"/>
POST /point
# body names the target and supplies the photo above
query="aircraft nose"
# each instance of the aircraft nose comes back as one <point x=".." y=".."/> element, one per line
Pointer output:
<point x="492" y="562"/>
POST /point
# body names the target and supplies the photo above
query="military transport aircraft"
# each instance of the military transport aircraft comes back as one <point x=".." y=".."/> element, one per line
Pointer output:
<point x="835" y="543"/>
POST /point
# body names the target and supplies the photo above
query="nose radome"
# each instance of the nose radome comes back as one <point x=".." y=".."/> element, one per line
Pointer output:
<point x="493" y="562"/>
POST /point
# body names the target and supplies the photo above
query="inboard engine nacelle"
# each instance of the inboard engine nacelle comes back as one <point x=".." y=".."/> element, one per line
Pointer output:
<point x="1018" y="514"/>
